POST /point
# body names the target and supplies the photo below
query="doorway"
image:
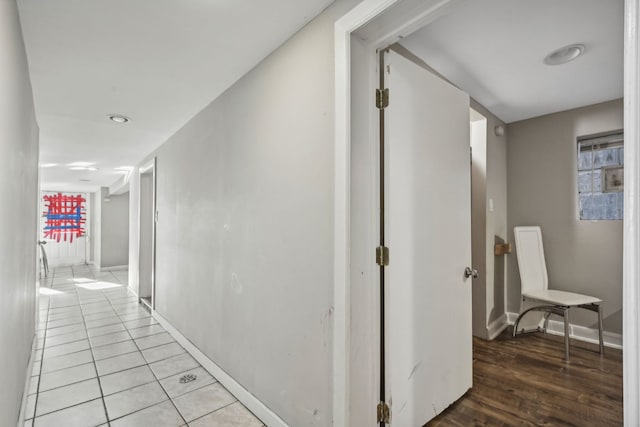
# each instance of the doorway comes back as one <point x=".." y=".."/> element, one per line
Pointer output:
<point x="147" y="235"/>
<point x="65" y="227"/>
<point x="354" y="125"/>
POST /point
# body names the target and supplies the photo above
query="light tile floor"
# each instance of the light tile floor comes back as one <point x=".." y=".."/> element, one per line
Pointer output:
<point x="102" y="360"/>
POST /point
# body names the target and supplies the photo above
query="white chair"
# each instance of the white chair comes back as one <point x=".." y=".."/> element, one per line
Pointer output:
<point x="534" y="285"/>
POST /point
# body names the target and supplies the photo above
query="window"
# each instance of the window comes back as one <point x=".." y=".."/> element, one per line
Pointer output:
<point x="601" y="176"/>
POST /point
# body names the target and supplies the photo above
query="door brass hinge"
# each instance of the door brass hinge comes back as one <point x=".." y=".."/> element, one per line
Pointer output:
<point x="382" y="255"/>
<point x="382" y="98"/>
<point x="383" y="413"/>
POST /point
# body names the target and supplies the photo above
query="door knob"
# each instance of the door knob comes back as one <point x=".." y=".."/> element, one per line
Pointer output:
<point x="470" y="272"/>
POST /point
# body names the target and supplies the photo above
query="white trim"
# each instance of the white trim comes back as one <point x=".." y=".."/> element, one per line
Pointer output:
<point x="27" y="382"/>
<point x="496" y="327"/>
<point x="149" y="167"/>
<point x="631" y="275"/>
<point x="252" y="403"/>
<point x="582" y="333"/>
<point x="359" y="15"/>
<point x="511" y="317"/>
<point x="577" y="332"/>
<point x="114" y="268"/>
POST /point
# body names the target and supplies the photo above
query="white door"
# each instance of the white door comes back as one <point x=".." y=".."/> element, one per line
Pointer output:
<point x="428" y="229"/>
<point x="64" y="226"/>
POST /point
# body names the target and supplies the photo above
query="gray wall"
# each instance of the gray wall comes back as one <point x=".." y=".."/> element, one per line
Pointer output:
<point x="245" y="228"/>
<point x="92" y="227"/>
<point x="582" y="256"/>
<point x="496" y="220"/>
<point x="489" y="183"/>
<point x="18" y="216"/>
<point x="114" y="229"/>
<point x="96" y="231"/>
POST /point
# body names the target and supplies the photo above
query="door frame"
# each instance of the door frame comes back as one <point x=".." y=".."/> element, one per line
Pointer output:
<point x="88" y="231"/>
<point x="393" y="19"/>
<point x="149" y="167"/>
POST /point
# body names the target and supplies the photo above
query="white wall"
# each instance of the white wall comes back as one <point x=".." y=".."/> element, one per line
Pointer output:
<point x="489" y="220"/>
<point x="96" y="231"/>
<point x="245" y="229"/>
<point x="496" y="219"/>
<point x="582" y="256"/>
<point x="134" y="240"/>
<point x="478" y="133"/>
<point x="18" y="216"/>
<point x="93" y="198"/>
<point x="364" y="343"/>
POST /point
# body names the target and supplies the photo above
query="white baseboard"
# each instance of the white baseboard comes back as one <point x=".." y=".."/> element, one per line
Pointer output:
<point x="258" y="408"/>
<point x="496" y="327"/>
<point x="580" y="333"/>
<point x="114" y="268"/>
<point x="27" y="382"/>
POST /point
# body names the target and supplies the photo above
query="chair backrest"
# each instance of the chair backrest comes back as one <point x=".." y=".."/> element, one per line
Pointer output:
<point x="533" y="269"/>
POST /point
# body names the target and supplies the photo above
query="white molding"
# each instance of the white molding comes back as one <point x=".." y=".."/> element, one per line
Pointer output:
<point x="496" y="327"/>
<point x="577" y="332"/>
<point x="149" y="167"/>
<point x="631" y="275"/>
<point x="348" y="23"/>
<point x="27" y="382"/>
<point x="252" y="403"/>
<point x="114" y="268"/>
<point x="582" y="333"/>
<point x="511" y="317"/>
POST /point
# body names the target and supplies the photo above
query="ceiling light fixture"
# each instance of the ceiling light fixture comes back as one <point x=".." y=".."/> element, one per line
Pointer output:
<point x="83" y="168"/>
<point x="564" y="54"/>
<point x="118" y="118"/>
<point x="48" y="165"/>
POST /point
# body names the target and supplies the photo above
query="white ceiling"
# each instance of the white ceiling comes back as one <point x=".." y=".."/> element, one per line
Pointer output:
<point x="159" y="62"/>
<point x="494" y="50"/>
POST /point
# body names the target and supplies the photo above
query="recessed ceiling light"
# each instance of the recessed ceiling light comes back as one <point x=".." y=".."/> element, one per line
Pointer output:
<point x="118" y="118"/>
<point x="564" y="54"/>
<point x="48" y="165"/>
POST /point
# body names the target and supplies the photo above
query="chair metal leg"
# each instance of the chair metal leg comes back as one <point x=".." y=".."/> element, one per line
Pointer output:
<point x="566" y="334"/>
<point x="554" y="309"/>
<point x="600" y="329"/>
<point x="546" y="321"/>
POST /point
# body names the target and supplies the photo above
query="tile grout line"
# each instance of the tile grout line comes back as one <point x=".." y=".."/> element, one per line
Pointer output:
<point x="93" y="359"/>
<point x="156" y="376"/>
<point x="44" y="341"/>
<point x="222" y="407"/>
<point x="39" y="379"/>
<point x="80" y="403"/>
<point x="147" y="365"/>
<point x="117" y="355"/>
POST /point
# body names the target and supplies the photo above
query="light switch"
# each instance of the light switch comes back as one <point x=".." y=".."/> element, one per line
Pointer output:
<point x="490" y="205"/>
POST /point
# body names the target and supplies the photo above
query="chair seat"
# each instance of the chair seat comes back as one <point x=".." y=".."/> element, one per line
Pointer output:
<point x="560" y="297"/>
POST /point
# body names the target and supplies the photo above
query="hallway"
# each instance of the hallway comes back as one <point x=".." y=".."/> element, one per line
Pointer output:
<point x="101" y="359"/>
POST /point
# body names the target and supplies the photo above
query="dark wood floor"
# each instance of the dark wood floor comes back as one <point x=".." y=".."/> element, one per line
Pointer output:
<point x="525" y="382"/>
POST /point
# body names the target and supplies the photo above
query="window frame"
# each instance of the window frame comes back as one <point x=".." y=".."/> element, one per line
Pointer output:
<point x="599" y="142"/>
